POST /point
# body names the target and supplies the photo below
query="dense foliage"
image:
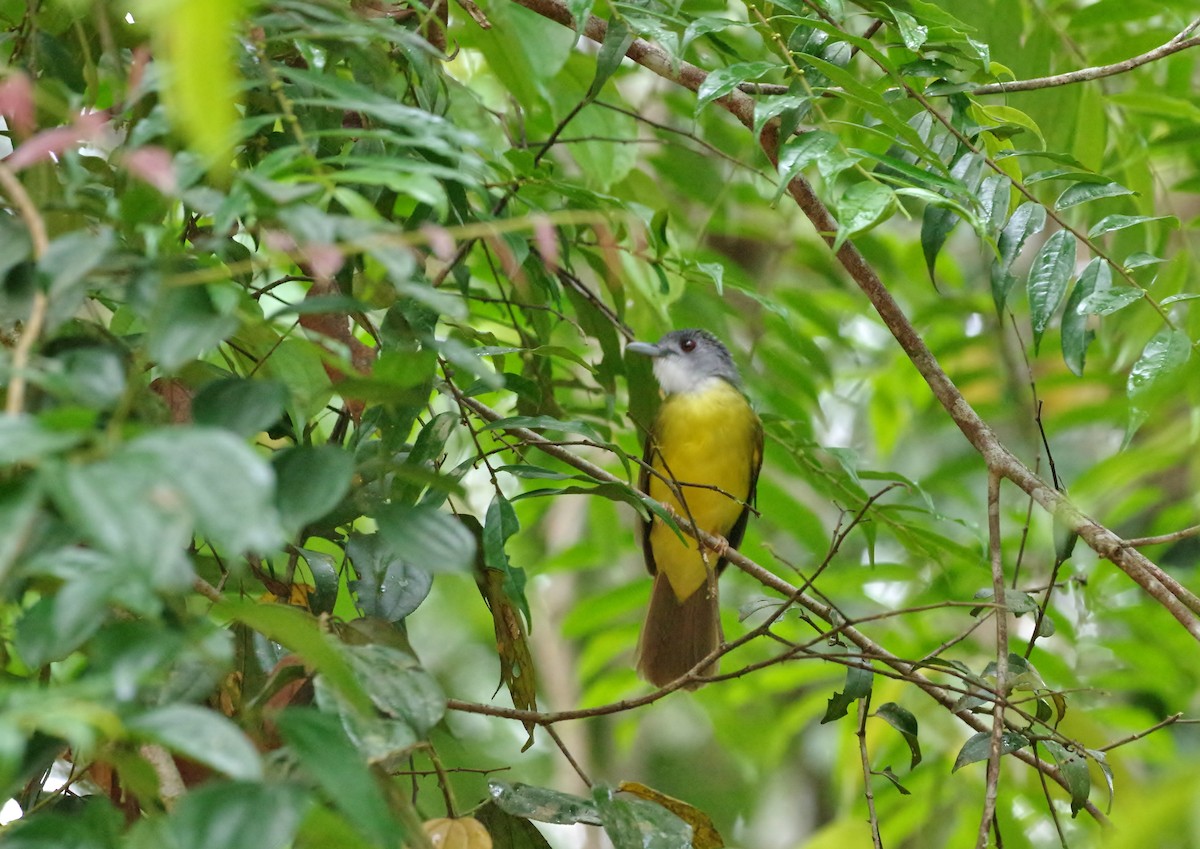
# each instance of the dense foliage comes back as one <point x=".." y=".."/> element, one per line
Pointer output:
<point x="317" y="515"/>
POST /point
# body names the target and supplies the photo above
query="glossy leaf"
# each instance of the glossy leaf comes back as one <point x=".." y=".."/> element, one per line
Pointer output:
<point x="1164" y="354"/>
<point x="1076" y="336"/>
<point x="388" y="586"/>
<point x="1048" y="278"/>
<point x="1074" y="769"/>
<point x="978" y="747"/>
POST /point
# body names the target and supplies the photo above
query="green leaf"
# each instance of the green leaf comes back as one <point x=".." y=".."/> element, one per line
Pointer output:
<point x="1109" y="223"/>
<point x="1048" y="277"/>
<point x="203" y="736"/>
<point x="635" y="823"/>
<point x="1028" y="218"/>
<point x="617" y="38"/>
<point x="24" y="439"/>
<point x="185" y="324"/>
<point x="330" y="759"/>
<point x="542" y="804"/>
<point x="858" y="685"/>
<point x="245" y="407"/>
<point x="1109" y="300"/>
<point x="798" y="153"/>
<point x="936" y="224"/>
<point x="903" y="721"/>
<point x="1074" y="769"/>
<point x="237" y="815"/>
<point x="508" y="831"/>
<point x="65" y="268"/>
<point x="300" y="632"/>
<point x="397" y="685"/>
<point x="1076" y="336"/>
<point x="1085" y="192"/>
<point x="388" y="587"/>
<point x="310" y="482"/>
<point x="1137" y="259"/>
<point x="430" y="539"/>
<point x="722" y="81"/>
<point x="912" y="33"/>
<point x="862" y="207"/>
<point x="1165" y="353"/>
<point x="979" y="746"/>
<point x="20" y="501"/>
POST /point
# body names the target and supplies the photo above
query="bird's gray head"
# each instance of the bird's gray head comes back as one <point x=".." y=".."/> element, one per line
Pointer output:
<point x="688" y="361"/>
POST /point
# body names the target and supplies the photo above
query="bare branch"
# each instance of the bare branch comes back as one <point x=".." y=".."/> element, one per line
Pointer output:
<point x="15" y="400"/>
<point x="1001" y="617"/>
<point x="1176" y="44"/>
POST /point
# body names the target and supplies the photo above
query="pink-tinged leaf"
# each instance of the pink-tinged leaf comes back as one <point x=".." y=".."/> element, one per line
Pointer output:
<point x="546" y="238"/>
<point x="323" y="261"/>
<point x="153" y="165"/>
<point x="440" y="241"/>
<point x="49" y="143"/>
<point x="16" y="103"/>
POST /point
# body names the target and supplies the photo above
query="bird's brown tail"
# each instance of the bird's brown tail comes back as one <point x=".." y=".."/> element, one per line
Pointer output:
<point x="678" y="635"/>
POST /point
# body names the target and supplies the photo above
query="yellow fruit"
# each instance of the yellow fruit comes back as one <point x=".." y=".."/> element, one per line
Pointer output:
<point x="461" y="833"/>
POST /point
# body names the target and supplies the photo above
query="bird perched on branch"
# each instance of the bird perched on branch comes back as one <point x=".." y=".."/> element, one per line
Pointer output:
<point x="702" y="457"/>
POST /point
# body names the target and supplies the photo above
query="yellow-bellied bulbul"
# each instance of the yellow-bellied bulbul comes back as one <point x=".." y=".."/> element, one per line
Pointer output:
<point x="702" y="457"/>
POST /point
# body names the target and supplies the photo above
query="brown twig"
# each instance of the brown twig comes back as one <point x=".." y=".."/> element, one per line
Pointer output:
<point x="864" y="709"/>
<point x="1176" y="44"/>
<point x="995" y="556"/>
<point x="15" y="401"/>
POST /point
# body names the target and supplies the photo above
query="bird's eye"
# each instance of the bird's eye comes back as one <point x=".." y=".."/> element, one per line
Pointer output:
<point x="688" y="345"/>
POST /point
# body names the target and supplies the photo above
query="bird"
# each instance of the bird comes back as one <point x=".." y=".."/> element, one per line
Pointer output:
<point x="702" y="456"/>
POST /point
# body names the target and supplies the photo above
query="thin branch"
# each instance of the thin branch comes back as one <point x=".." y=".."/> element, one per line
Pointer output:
<point x="15" y="401"/>
<point x="996" y="752"/>
<point x="1176" y="44"/>
<point x="864" y="708"/>
<point x="1170" y="720"/>
<point x="1174" y="536"/>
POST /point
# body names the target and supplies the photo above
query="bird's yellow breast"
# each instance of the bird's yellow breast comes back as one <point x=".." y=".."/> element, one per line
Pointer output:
<point x="708" y="443"/>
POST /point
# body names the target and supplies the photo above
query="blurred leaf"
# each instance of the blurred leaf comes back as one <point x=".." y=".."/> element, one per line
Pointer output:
<point x="299" y="632"/>
<point x="319" y="743"/>
<point x="186" y="323"/>
<point x="245" y="407"/>
<point x="237" y="815"/>
<point x="310" y="482"/>
<point x="201" y="735"/>
<point x="508" y="831"/>
<point x="430" y="539"/>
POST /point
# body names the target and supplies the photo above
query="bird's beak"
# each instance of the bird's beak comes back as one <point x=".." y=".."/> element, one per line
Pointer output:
<point x="645" y="348"/>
